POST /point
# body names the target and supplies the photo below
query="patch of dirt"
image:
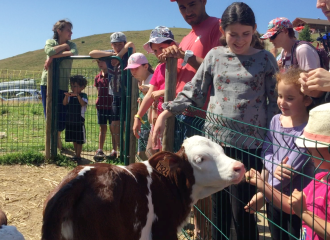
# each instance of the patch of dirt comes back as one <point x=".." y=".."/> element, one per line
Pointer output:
<point x="23" y="190"/>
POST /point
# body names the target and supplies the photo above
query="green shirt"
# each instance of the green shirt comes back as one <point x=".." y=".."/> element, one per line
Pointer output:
<point x="65" y="65"/>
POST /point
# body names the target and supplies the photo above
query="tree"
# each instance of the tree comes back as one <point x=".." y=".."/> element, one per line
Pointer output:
<point x="305" y="34"/>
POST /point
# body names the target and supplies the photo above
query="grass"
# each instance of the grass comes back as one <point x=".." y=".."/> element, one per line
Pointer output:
<point x="34" y="60"/>
<point x="24" y="124"/>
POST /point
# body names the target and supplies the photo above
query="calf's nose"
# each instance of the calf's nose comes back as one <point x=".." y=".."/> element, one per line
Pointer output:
<point x="238" y="166"/>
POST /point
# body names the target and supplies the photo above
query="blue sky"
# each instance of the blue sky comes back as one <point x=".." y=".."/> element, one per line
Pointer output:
<point x="25" y="25"/>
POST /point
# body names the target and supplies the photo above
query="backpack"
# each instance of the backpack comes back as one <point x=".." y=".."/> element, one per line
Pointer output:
<point x="324" y="58"/>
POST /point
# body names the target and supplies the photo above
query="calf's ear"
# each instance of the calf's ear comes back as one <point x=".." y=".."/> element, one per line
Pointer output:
<point x="164" y="162"/>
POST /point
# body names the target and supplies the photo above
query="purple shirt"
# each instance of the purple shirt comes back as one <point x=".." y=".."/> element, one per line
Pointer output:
<point x="283" y="146"/>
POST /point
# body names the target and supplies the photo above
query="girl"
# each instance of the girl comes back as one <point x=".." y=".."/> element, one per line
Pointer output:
<point x="278" y="159"/>
<point x="242" y="80"/>
<point x="58" y="47"/>
<point x="160" y="38"/>
<point x="311" y="205"/>
<point x="143" y="72"/>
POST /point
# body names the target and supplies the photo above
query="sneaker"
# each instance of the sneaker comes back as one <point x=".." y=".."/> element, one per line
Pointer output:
<point x="99" y="155"/>
<point x="113" y="155"/>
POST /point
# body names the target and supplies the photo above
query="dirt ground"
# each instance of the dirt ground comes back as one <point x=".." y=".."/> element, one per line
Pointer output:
<point x="23" y="190"/>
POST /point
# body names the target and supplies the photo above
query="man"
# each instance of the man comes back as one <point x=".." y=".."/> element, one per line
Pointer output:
<point x="316" y="83"/>
<point x="193" y="48"/>
<point x="120" y="47"/>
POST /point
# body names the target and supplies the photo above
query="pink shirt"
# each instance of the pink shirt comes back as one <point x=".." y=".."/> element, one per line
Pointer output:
<point x="158" y="80"/>
<point x="317" y="205"/>
<point x="201" y="39"/>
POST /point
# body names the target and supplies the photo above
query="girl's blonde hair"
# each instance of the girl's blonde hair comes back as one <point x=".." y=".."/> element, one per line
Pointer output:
<point x="60" y="25"/>
<point x="290" y="77"/>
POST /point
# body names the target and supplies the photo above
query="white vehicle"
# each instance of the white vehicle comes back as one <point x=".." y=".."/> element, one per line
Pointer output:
<point x="18" y="84"/>
<point x="20" y="95"/>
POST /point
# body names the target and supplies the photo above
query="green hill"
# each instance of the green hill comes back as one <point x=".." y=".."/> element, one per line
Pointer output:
<point x="34" y="60"/>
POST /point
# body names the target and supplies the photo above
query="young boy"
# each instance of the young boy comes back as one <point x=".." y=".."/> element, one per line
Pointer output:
<point x="119" y="48"/>
<point x="76" y="102"/>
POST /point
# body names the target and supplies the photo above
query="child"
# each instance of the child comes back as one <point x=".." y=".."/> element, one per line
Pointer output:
<point x="242" y="88"/>
<point x="103" y="106"/>
<point x="75" y="118"/>
<point x="311" y="205"/>
<point x="278" y="159"/>
<point x="120" y="47"/>
<point x="58" y="47"/>
<point x="143" y="72"/>
<point x="161" y="37"/>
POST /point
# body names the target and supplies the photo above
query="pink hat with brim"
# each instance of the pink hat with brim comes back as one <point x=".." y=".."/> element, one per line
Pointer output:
<point x="276" y="25"/>
<point x="136" y="60"/>
<point x="317" y="131"/>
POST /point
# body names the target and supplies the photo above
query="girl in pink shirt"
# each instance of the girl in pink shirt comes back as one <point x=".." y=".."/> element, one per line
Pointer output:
<point x="160" y="38"/>
<point x="312" y="204"/>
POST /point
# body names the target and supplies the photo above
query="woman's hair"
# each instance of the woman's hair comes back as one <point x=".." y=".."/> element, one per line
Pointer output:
<point x="79" y="79"/>
<point x="237" y="12"/>
<point x="150" y="69"/>
<point x="257" y="42"/>
<point x="291" y="33"/>
<point x="60" y="25"/>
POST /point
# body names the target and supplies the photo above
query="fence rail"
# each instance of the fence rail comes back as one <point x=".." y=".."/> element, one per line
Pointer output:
<point x="22" y="128"/>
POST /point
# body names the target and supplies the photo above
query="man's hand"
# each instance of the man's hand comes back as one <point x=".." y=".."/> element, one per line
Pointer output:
<point x="171" y="51"/>
<point x="297" y="201"/>
<point x="281" y="172"/>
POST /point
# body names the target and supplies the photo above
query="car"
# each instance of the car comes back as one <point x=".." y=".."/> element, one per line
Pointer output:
<point x="20" y="95"/>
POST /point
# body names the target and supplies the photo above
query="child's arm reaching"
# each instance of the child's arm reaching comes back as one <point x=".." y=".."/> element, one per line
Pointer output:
<point x="125" y="49"/>
<point x="279" y="199"/>
<point x="298" y="204"/>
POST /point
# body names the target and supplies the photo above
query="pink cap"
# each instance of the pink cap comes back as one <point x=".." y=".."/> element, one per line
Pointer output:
<point x="136" y="60"/>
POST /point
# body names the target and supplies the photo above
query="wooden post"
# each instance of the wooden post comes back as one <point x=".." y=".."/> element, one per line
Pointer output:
<point x="170" y="87"/>
<point x="49" y="100"/>
<point x="134" y="110"/>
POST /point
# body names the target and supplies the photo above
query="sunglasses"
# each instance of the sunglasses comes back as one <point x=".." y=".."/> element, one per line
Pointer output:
<point x="275" y="35"/>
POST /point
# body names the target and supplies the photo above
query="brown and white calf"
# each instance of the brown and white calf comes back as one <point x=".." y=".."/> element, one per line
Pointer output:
<point x="142" y="201"/>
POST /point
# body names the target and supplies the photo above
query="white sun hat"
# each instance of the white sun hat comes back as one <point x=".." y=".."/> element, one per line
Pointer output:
<point x="317" y="132"/>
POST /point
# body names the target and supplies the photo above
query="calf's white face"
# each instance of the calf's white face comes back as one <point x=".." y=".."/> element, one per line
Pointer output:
<point x="213" y="170"/>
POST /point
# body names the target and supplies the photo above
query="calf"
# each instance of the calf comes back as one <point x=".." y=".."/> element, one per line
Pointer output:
<point x="142" y="201"/>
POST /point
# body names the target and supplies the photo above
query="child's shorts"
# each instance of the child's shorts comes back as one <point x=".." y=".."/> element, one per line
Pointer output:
<point x="104" y="116"/>
<point x="75" y="133"/>
<point x="143" y="140"/>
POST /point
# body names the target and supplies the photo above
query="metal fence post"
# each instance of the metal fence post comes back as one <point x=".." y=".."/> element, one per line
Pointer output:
<point x="49" y="110"/>
<point x="128" y="114"/>
<point x="170" y="87"/>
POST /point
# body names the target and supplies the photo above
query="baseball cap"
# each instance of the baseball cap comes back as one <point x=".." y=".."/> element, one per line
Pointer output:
<point x="117" y="37"/>
<point x="136" y="60"/>
<point x="317" y="131"/>
<point x="275" y="25"/>
<point x="158" y="35"/>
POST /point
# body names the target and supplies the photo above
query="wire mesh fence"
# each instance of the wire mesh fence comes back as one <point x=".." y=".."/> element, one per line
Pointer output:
<point x="225" y="215"/>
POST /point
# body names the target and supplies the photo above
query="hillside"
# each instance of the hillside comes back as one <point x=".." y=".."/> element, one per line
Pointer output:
<point x="34" y="60"/>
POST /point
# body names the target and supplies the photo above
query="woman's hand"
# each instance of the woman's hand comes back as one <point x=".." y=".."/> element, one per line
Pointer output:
<point x="157" y="94"/>
<point x="160" y="126"/>
<point x="281" y="172"/>
<point x="47" y="63"/>
<point x="136" y="127"/>
<point x="297" y="201"/>
<point x="315" y="82"/>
